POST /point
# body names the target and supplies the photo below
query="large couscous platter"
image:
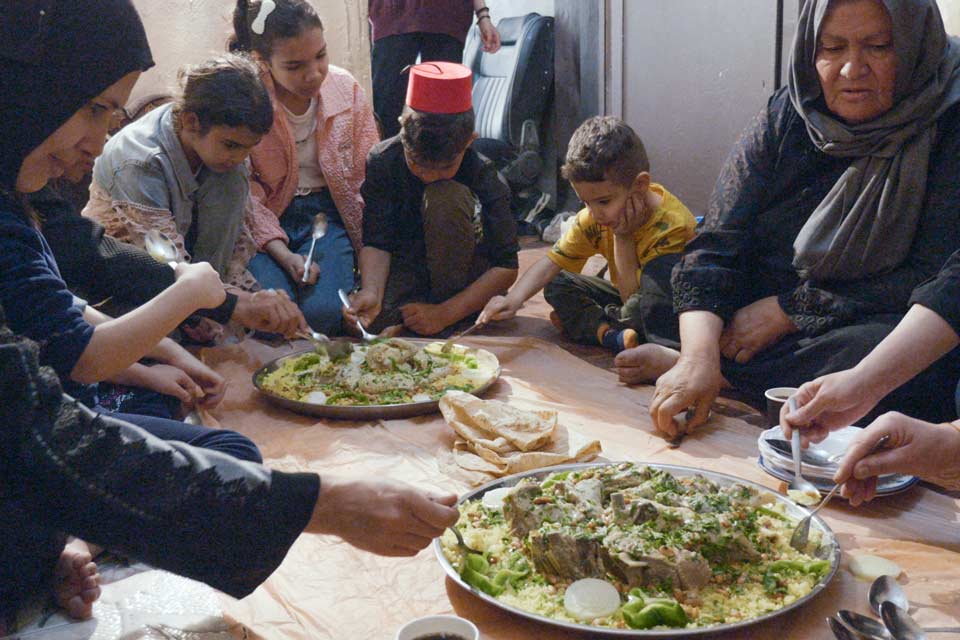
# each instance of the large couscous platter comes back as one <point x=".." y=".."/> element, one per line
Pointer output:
<point x="674" y="551"/>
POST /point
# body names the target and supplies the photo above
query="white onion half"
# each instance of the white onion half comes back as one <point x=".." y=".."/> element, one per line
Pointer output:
<point x="316" y="397"/>
<point x="590" y="598"/>
<point x="867" y="567"/>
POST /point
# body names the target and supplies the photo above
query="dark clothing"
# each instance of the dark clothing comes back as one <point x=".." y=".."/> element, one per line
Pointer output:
<point x="392" y="17"/>
<point x="942" y="293"/>
<point x="450" y="233"/>
<point x="441" y="237"/>
<point x="771" y="183"/>
<point x="64" y="470"/>
<point x="402" y="31"/>
<point x="37" y="302"/>
<point x="583" y="303"/>
<point x="41" y="308"/>
<point x="55" y="55"/>
<point x="99" y="267"/>
<point x="393" y="199"/>
<point x="390" y="57"/>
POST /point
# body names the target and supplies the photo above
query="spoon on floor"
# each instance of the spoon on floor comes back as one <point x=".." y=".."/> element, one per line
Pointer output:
<point x="840" y="632"/>
<point x="319" y="230"/>
<point x="875" y="630"/>
<point x="366" y="335"/>
<point x="887" y="589"/>
<point x="161" y="248"/>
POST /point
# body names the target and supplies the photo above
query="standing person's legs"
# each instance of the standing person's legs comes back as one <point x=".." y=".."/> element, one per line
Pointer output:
<point x="440" y="46"/>
<point x="388" y="59"/>
<point x="580" y="302"/>
<point x="451" y="231"/>
<point x="222" y="440"/>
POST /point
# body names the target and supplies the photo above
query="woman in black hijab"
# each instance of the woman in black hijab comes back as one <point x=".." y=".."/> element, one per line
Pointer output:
<point x="64" y="66"/>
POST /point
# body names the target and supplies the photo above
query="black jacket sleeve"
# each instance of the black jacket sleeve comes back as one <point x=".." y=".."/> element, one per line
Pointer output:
<point x="194" y="512"/>
<point x="942" y="293"/>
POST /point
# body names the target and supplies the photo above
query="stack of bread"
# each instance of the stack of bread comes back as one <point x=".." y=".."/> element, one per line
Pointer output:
<point x="496" y="439"/>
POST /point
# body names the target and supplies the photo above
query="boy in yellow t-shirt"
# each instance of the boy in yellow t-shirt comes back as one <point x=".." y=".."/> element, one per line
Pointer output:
<point x="628" y="219"/>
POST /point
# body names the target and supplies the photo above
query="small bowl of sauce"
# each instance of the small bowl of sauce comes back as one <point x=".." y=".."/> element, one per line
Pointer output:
<point x="439" y="628"/>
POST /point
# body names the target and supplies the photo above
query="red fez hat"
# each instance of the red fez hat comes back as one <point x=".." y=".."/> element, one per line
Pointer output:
<point x="440" y="87"/>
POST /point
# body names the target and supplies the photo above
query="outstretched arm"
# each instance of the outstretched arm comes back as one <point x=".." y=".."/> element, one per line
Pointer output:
<point x="533" y="280"/>
<point x="839" y="399"/>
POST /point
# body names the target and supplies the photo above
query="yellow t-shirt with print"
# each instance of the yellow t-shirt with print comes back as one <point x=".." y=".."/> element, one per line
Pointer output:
<point x="668" y="230"/>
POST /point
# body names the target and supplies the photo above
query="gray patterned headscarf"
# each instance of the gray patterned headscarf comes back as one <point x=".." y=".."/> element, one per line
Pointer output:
<point x="866" y="223"/>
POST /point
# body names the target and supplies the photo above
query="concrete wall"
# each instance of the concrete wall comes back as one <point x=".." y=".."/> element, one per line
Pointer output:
<point x="950" y="9"/>
<point x="186" y="31"/>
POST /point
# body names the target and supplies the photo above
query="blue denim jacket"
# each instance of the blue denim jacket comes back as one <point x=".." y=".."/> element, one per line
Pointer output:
<point x="145" y="164"/>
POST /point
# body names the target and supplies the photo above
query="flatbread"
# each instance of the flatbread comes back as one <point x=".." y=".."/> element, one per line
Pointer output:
<point x="567" y="447"/>
<point x="498" y="439"/>
<point x="497" y="425"/>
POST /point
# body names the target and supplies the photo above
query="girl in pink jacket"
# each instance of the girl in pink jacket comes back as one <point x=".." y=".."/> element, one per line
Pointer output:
<point x="312" y="160"/>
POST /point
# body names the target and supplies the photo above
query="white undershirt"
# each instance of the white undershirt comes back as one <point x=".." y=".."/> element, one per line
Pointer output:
<point x="304" y="129"/>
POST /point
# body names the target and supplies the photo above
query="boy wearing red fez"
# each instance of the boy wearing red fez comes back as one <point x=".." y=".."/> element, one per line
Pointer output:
<point x="438" y="237"/>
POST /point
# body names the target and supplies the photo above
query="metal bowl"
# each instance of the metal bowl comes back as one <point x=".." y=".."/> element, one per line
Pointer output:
<point x="829" y="550"/>
<point x="364" y="412"/>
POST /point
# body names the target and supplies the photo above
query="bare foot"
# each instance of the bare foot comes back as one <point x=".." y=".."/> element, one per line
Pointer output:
<point x="76" y="583"/>
<point x="645" y="363"/>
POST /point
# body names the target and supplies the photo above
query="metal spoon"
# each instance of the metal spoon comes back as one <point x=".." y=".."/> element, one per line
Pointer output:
<point x="799" y="483"/>
<point x="887" y="589"/>
<point x="333" y="348"/>
<point x="460" y="543"/>
<point x="863" y="626"/>
<point x="319" y="230"/>
<point x="161" y="248"/>
<point x="813" y="457"/>
<point x="873" y="629"/>
<point x="899" y="622"/>
<point x="366" y="335"/>
<point x="799" y="538"/>
<point x="840" y="632"/>
<point x="448" y="345"/>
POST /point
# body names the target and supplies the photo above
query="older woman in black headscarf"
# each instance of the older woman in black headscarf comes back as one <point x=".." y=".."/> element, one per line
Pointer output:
<point x="839" y="199"/>
<point x="64" y="66"/>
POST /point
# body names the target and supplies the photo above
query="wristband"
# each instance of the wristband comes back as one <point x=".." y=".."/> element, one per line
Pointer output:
<point x="481" y="10"/>
<point x="486" y="15"/>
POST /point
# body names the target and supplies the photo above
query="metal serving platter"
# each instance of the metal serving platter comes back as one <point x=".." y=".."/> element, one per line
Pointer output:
<point x="365" y="412"/>
<point x="829" y="550"/>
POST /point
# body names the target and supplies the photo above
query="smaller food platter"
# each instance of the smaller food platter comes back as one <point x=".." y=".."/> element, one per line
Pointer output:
<point x="828" y="552"/>
<point x="482" y="374"/>
<point x="886" y="485"/>
<point x="780" y="465"/>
